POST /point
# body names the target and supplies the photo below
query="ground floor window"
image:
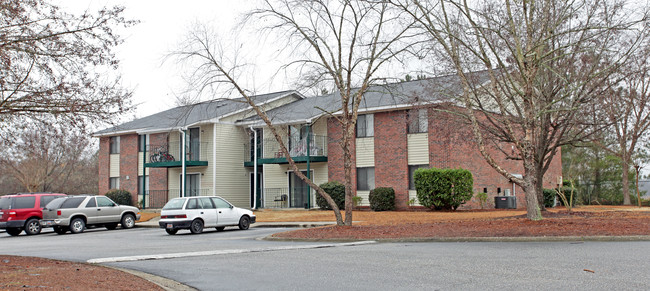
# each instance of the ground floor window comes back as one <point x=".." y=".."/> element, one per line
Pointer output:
<point x="113" y="183"/>
<point x="412" y="169"/>
<point x="366" y="178"/>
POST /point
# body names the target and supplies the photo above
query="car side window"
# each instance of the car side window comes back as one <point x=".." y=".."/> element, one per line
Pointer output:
<point x="47" y="199"/>
<point x="72" y="202"/>
<point x="24" y="202"/>
<point x="207" y="203"/>
<point x="192" y="204"/>
<point x="91" y="203"/>
<point x="104" y="202"/>
<point x="220" y="203"/>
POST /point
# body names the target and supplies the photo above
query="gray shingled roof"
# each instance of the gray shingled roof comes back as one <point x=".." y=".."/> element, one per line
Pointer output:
<point x="191" y="114"/>
<point x="381" y="97"/>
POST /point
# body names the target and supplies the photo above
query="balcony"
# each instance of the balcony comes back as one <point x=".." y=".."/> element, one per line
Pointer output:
<point x="169" y="155"/>
<point x="295" y="197"/>
<point x="269" y="151"/>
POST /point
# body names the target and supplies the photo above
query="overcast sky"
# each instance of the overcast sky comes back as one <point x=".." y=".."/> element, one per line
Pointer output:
<point x="163" y="24"/>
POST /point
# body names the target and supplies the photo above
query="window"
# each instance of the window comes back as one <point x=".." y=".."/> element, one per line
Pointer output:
<point x="206" y="203"/>
<point x="365" y="125"/>
<point x="24" y="202"/>
<point x="418" y="121"/>
<point x="91" y="203"/>
<point x="366" y="178"/>
<point x="73" y="202"/>
<point x="47" y="199"/>
<point x="113" y="183"/>
<point x="220" y="203"/>
<point x="115" y="145"/>
<point x="104" y="202"/>
<point x="143" y="141"/>
<point x="412" y="169"/>
<point x="145" y="180"/>
<point x="193" y="204"/>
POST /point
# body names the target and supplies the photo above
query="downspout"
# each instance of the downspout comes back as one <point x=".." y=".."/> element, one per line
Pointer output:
<point x="144" y="172"/>
<point x="183" y="170"/>
<point x="254" y="167"/>
<point x="308" y="165"/>
<point x="214" y="159"/>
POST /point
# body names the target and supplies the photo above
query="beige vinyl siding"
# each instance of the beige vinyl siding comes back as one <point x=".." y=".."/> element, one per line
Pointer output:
<point x="276" y="176"/>
<point x="206" y="154"/>
<point x="418" y="149"/>
<point x="365" y="152"/>
<point x="232" y="177"/>
<point x="173" y="180"/>
<point x="413" y="194"/>
<point x="141" y="165"/>
<point x="364" y="194"/>
<point x="320" y="127"/>
<point x="114" y="166"/>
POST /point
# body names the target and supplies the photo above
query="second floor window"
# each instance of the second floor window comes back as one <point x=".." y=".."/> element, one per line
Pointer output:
<point x="418" y="121"/>
<point x="365" y="125"/>
<point x="115" y="145"/>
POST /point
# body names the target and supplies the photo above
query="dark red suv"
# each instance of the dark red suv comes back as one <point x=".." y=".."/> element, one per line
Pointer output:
<point x="23" y="211"/>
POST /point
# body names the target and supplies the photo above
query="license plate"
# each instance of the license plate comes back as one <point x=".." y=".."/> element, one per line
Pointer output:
<point x="46" y="223"/>
<point x="169" y="225"/>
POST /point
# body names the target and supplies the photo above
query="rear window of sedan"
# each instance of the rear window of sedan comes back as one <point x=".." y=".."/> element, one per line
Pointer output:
<point x="176" y="203"/>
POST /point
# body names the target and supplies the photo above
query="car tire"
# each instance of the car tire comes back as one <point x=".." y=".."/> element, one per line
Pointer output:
<point x="77" y="225"/>
<point x="196" y="226"/>
<point x="171" y="231"/>
<point x="111" y="226"/>
<point x="60" y="230"/>
<point x="32" y="226"/>
<point x="244" y="222"/>
<point x="128" y="221"/>
<point x="14" y="231"/>
<point x="220" y="228"/>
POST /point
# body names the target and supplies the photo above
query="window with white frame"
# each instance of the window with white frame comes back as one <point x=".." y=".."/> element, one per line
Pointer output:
<point x="365" y="125"/>
<point x="418" y="120"/>
<point x="145" y="180"/>
<point x="412" y="169"/>
<point x="143" y="140"/>
<point x="115" y="145"/>
<point x="366" y="178"/>
<point x="113" y="183"/>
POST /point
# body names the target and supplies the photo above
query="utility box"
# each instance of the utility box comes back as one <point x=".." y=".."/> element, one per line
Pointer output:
<point x="505" y="202"/>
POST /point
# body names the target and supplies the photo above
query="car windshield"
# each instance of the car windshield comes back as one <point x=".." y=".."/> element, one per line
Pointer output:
<point x="176" y="203"/>
<point x="5" y="203"/>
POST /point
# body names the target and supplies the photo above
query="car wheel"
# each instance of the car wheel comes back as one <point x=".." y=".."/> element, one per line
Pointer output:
<point x="60" y="230"/>
<point x="128" y="221"/>
<point x="32" y="226"/>
<point x="196" y="226"/>
<point x="221" y="228"/>
<point x="14" y="231"/>
<point x="244" y="222"/>
<point x="111" y="226"/>
<point x="77" y="225"/>
<point x="171" y="231"/>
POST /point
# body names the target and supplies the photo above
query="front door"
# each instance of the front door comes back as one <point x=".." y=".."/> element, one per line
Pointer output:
<point x="260" y="197"/>
<point x="298" y="190"/>
<point x="191" y="184"/>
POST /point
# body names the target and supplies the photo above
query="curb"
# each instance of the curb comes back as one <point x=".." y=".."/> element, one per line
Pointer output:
<point x="167" y="284"/>
<point x="147" y="224"/>
<point x="476" y="239"/>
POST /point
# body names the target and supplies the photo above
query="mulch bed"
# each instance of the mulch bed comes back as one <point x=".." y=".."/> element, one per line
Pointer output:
<point x="612" y="223"/>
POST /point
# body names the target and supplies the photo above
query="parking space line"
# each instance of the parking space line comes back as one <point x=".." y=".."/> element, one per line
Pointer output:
<point x="221" y="252"/>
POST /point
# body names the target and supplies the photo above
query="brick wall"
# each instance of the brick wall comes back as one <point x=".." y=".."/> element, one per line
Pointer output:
<point x="129" y="164"/>
<point x="158" y="176"/>
<point x="335" y="154"/>
<point x="103" y="173"/>
<point x="391" y="160"/>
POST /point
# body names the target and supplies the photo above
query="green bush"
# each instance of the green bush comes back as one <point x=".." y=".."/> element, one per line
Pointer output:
<point x="549" y="197"/>
<point x="121" y="197"/>
<point x="336" y="190"/>
<point x="443" y="188"/>
<point x="382" y="199"/>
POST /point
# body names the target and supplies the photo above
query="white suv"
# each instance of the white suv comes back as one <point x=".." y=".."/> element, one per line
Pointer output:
<point x="195" y="213"/>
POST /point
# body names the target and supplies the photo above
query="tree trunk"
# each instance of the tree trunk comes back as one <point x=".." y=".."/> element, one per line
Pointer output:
<point x="539" y="188"/>
<point x="347" y="165"/>
<point x="626" y="183"/>
<point x="531" y="187"/>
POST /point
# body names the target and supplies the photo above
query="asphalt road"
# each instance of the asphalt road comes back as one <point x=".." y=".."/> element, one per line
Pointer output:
<point x="238" y="260"/>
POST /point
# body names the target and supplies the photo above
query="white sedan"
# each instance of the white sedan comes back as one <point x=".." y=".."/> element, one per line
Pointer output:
<point x="195" y="213"/>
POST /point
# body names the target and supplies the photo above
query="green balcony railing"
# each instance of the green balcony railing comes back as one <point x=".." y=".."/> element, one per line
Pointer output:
<point x="270" y="151"/>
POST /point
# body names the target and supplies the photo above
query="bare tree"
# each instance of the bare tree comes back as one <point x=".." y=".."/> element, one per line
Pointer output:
<point x="627" y="107"/>
<point x="341" y="44"/>
<point x="544" y="62"/>
<point x="53" y="63"/>
<point x="47" y="158"/>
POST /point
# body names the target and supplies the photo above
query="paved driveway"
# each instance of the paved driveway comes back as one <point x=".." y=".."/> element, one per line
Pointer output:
<point x="236" y="260"/>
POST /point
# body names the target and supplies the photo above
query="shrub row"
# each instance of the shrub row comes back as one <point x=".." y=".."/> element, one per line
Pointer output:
<point x="443" y="188"/>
